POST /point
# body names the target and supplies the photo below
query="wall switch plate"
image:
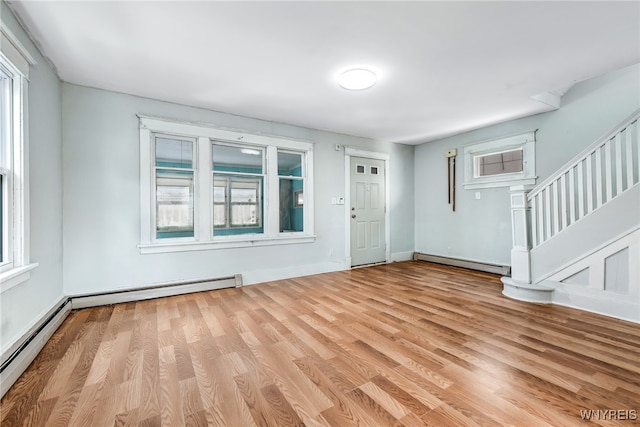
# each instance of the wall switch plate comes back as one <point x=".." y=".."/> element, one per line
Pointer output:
<point x="478" y="195"/>
<point x="334" y="201"/>
<point x="341" y="200"/>
<point x="451" y="153"/>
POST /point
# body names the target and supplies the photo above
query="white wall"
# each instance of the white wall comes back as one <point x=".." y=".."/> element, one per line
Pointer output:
<point x="481" y="229"/>
<point x="101" y="199"/>
<point x="24" y="305"/>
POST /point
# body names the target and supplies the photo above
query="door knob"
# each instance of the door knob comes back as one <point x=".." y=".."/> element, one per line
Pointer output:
<point x="353" y="215"/>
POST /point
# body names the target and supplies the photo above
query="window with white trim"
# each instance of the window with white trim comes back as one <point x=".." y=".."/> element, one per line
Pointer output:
<point x="14" y="71"/>
<point x="501" y="162"/>
<point x="204" y="187"/>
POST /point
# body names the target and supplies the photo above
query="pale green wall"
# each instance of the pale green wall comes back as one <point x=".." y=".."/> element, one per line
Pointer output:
<point x="23" y="305"/>
<point x="102" y="198"/>
<point x="481" y="229"/>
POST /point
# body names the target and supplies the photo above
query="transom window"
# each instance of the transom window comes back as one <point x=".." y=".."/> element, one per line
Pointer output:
<point x="501" y="162"/>
<point x="509" y="161"/>
<point x="204" y="188"/>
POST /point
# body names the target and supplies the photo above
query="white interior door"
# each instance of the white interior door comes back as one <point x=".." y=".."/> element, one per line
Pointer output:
<point x="367" y="211"/>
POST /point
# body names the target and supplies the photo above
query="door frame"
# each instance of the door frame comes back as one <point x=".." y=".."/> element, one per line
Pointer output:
<point x="354" y="152"/>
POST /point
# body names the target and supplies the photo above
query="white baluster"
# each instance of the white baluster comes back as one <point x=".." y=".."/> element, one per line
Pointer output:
<point x="580" y="190"/>
<point x="598" y="177"/>
<point x="547" y="211"/>
<point x="618" y="147"/>
<point x="555" y="197"/>
<point x="589" y="190"/>
<point x="628" y="140"/>
<point x="563" y="199"/>
<point x="572" y="197"/>
<point x="541" y="217"/>
<point x="608" y="176"/>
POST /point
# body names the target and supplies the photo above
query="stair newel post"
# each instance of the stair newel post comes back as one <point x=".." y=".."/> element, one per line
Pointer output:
<point x="521" y="234"/>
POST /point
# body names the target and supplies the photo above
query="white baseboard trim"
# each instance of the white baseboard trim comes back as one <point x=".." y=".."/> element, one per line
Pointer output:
<point x="401" y="256"/>
<point x="150" y="292"/>
<point x="261" y="276"/>
<point x="619" y="306"/>
<point x="20" y="355"/>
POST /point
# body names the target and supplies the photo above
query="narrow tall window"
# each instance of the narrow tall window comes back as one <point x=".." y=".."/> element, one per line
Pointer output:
<point x="14" y="183"/>
<point x="291" y="186"/>
<point x="174" y="187"/>
<point x="6" y="169"/>
<point x="238" y="180"/>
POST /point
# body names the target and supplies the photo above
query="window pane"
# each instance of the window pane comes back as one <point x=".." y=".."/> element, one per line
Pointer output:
<point x="499" y="163"/>
<point x="245" y="203"/>
<point x="2" y="216"/>
<point x="219" y="193"/>
<point x="228" y="158"/>
<point x="244" y="195"/>
<point x="289" y="164"/>
<point x="244" y="215"/>
<point x="291" y="213"/>
<point x="174" y="197"/>
<point x="174" y="153"/>
<point x="219" y="215"/>
<point x="237" y="204"/>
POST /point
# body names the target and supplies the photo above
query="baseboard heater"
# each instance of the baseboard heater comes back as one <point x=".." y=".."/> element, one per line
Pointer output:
<point x="20" y="355"/>
<point x="156" y="291"/>
<point x="503" y="270"/>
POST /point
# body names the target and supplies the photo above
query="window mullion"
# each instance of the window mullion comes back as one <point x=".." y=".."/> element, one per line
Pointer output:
<point x="204" y="191"/>
<point x="147" y="176"/>
<point x="271" y="196"/>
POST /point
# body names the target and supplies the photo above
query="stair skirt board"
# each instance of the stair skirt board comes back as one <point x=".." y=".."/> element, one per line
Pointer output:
<point x="612" y="304"/>
<point x="20" y="355"/>
<point x="503" y="270"/>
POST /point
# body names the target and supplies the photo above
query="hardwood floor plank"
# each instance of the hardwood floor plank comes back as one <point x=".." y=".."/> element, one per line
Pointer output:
<point x="410" y="343"/>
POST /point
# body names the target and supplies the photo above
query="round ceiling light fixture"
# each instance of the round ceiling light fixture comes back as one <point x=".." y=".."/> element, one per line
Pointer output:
<point x="357" y="78"/>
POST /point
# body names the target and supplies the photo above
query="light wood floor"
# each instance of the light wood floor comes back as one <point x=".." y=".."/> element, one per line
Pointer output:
<point x="402" y="344"/>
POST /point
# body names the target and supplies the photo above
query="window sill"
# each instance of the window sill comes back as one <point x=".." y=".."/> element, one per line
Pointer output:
<point x="499" y="183"/>
<point x="227" y="243"/>
<point x="15" y="276"/>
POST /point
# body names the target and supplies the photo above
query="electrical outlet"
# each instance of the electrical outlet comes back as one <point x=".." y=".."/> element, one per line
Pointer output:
<point x="451" y="153"/>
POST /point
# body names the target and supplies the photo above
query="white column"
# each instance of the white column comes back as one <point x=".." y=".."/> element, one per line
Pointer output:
<point x="520" y="230"/>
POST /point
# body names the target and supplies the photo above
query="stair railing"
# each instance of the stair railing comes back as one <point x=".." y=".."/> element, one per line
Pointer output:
<point x="601" y="172"/>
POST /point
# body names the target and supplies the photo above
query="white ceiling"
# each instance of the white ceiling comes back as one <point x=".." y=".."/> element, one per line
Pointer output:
<point x="444" y="67"/>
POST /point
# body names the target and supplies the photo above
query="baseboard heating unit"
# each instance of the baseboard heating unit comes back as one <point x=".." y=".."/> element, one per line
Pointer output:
<point x="503" y="270"/>
<point x="156" y="291"/>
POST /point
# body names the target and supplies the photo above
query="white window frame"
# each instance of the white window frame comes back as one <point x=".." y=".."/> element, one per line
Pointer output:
<point x="14" y="154"/>
<point x="525" y="141"/>
<point x="229" y="181"/>
<point x="204" y="235"/>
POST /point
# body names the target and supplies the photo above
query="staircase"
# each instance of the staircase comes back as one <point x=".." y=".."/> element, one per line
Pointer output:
<point x="576" y="235"/>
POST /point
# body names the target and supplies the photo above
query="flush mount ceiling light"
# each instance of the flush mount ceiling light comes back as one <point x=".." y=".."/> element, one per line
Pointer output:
<point x="357" y="78"/>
